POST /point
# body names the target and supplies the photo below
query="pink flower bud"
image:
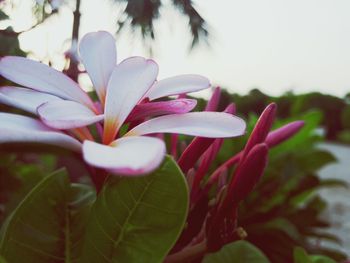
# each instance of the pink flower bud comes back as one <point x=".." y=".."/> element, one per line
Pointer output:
<point x="248" y="174"/>
<point x="262" y="128"/>
<point x="193" y="151"/>
<point x="214" y="100"/>
<point x="284" y="133"/>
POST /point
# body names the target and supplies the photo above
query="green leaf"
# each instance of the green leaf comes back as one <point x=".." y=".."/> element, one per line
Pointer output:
<point x="283" y="225"/>
<point x="334" y="183"/>
<point x="137" y="219"/>
<point x="2" y="260"/>
<point x="304" y="138"/>
<point x="10" y="45"/>
<point x="238" y="252"/>
<point x="300" y="256"/>
<point x="49" y="224"/>
<point x="16" y="181"/>
<point x="321" y="259"/>
<point x="316" y="159"/>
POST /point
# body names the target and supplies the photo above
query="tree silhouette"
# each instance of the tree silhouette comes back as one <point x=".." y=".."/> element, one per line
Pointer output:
<point x="141" y="14"/>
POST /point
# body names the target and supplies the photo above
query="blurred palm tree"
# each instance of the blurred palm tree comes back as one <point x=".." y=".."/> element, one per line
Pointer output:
<point x="141" y="14"/>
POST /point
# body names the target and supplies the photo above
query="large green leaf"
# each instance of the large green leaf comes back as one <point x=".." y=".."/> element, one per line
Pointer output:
<point x="49" y="224"/>
<point x="301" y="256"/>
<point x="137" y="219"/>
<point x="16" y="181"/>
<point x="238" y="252"/>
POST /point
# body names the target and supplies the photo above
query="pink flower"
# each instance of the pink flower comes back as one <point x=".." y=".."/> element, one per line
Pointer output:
<point x="125" y="92"/>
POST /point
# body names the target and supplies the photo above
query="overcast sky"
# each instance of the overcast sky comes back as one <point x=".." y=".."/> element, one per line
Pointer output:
<point x="300" y="45"/>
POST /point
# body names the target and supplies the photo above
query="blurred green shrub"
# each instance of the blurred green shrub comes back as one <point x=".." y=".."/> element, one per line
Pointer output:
<point x="344" y="136"/>
<point x="345" y="117"/>
<point x="335" y="110"/>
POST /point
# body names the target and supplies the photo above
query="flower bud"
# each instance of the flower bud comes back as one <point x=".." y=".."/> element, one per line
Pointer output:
<point x="261" y="129"/>
<point x="284" y="133"/>
<point x="248" y="174"/>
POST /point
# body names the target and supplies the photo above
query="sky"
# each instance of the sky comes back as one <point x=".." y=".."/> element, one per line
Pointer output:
<point x="273" y="45"/>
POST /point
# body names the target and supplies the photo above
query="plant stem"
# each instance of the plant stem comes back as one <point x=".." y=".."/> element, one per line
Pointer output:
<point x="98" y="177"/>
<point x="187" y="253"/>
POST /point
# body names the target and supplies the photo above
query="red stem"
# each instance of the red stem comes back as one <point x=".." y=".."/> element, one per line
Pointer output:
<point x="188" y="253"/>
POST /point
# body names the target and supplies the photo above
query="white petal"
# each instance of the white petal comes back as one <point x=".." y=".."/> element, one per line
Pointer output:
<point x="177" y="85"/>
<point x="129" y="82"/>
<point x="128" y="156"/>
<point x="67" y="114"/>
<point x="203" y="124"/>
<point x="99" y="56"/>
<point x="40" y="77"/>
<point x="24" y="99"/>
<point x="18" y="128"/>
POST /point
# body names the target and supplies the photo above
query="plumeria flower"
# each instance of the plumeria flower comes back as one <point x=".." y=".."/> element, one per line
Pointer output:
<point x="126" y="94"/>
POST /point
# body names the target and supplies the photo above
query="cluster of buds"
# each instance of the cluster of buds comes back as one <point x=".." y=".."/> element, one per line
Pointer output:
<point x="212" y="219"/>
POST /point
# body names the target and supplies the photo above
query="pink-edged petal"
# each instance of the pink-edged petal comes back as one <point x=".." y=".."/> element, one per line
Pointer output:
<point x="177" y="85"/>
<point x="67" y="114"/>
<point x="129" y="82"/>
<point x="99" y="56"/>
<point x="152" y="109"/>
<point x="18" y="128"/>
<point x="40" y="77"/>
<point x="126" y="156"/>
<point x="197" y="147"/>
<point x="203" y="124"/>
<point x="24" y="99"/>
